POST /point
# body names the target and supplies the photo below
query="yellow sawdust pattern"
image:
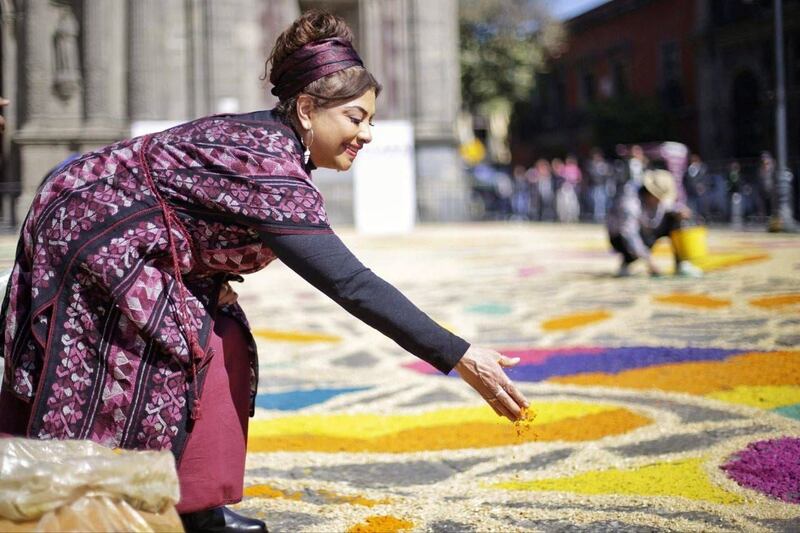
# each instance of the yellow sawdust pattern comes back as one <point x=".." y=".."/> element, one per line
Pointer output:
<point x="575" y="320"/>
<point x="685" y="479"/>
<point x="702" y="301"/>
<point x="720" y="261"/>
<point x="370" y="425"/>
<point x="381" y="524"/>
<point x="776" y="301"/>
<point x="294" y="336"/>
<point x="751" y="369"/>
<point x="453" y="437"/>
<point x="764" y="397"/>
<point x="268" y="491"/>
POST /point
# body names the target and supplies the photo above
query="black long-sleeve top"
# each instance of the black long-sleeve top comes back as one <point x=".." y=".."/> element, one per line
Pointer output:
<point x="324" y="261"/>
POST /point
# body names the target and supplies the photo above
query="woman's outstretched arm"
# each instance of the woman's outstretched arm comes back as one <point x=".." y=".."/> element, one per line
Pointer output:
<point x="325" y="262"/>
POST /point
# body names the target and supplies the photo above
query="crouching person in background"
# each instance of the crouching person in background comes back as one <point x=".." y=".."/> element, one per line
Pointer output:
<point x="639" y="216"/>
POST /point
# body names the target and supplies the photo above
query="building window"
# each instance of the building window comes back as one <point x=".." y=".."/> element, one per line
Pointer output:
<point x="670" y="61"/>
<point x="588" y="87"/>
<point x="619" y="77"/>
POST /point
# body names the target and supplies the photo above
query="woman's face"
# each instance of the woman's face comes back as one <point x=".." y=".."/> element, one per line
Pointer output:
<point x="339" y="131"/>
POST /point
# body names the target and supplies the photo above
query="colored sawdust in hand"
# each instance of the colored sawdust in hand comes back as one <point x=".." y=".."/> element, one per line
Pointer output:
<point x="523" y="424"/>
<point x="381" y="524"/>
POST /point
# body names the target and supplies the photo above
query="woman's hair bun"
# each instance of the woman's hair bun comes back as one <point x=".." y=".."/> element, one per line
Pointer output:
<point x="313" y="25"/>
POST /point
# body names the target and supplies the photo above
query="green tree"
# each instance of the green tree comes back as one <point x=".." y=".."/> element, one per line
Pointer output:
<point x="503" y="43"/>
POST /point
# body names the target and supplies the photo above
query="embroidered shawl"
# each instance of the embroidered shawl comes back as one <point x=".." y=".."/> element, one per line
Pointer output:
<point x="106" y="295"/>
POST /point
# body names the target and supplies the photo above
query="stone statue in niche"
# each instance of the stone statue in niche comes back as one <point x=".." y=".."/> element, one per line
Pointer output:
<point x="67" y="78"/>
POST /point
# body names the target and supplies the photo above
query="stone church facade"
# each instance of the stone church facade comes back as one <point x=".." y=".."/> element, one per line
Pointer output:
<point x="80" y="73"/>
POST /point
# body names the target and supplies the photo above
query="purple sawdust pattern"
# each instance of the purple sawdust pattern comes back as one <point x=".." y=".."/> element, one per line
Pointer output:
<point x="771" y="467"/>
<point x="541" y="364"/>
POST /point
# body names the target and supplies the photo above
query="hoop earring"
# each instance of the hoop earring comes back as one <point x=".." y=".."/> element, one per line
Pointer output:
<point x="307" y="152"/>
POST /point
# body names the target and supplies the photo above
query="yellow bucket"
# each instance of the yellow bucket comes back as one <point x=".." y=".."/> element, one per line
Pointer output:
<point x="691" y="242"/>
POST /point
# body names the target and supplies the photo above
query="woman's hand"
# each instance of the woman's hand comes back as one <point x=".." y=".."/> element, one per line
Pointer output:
<point x="482" y="369"/>
<point x="227" y="295"/>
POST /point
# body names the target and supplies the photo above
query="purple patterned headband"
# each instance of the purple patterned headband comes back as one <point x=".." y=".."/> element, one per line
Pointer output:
<point x="311" y="62"/>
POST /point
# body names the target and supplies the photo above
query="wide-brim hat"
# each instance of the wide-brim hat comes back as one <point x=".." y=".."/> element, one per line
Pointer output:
<point x="660" y="184"/>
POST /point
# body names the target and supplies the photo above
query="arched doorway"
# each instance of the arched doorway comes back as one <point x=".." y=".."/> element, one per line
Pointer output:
<point x="748" y="115"/>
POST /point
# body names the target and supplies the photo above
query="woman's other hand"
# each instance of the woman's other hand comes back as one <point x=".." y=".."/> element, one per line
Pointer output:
<point x="482" y="368"/>
<point x="227" y="296"/>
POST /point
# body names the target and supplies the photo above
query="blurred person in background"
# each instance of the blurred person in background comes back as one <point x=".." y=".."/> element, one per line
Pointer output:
<point x="733" y="180"/>
<point x="544" y="190"/>
<point x="695" y="183"/>
<point x="567" y="205"/>
<point x="521" y="197"/>
<point x="600" y="175"/>
<point x="765" y="181"/>
<point x="639" y="217"/>
<point x="120" y="324"/>
<point x="637" y="164"/>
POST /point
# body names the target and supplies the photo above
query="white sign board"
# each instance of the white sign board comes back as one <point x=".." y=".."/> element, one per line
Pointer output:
<point x="384" y="181"/>
<point x="144" y="127"/>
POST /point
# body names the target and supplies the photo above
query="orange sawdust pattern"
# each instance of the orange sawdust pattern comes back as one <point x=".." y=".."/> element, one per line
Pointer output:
<point x="575" y="320"/>
<point x="381" y="524"/>
<point x="268" y="491"/>
<point x="753" y="369"/>
<point x="693" y="300"/>
<point x="333" y="497"/>
<point x="776" y="301"/>
<point x="453" y="437"/>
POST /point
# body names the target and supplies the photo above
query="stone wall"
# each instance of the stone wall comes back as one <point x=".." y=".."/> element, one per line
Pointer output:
<point x="80" y="72"/>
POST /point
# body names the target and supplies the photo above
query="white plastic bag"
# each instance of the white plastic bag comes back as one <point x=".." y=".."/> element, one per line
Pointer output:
<point x="79" y="485"/>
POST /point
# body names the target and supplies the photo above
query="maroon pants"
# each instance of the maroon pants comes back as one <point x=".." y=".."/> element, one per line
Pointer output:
<point x="211" y="470"/>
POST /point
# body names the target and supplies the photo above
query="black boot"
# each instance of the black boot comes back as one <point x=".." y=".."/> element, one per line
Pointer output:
<point x="220" y="520"/>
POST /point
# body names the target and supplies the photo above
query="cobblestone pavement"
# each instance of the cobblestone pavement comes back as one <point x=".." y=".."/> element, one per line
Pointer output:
<point x="667" y="403"/>
<point x="661" y="403"/>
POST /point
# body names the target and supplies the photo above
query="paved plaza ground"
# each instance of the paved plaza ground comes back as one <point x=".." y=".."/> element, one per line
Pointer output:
<point x="668" y="403"/>
<point x="661" y="403"/>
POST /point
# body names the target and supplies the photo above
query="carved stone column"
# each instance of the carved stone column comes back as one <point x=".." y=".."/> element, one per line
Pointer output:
<point x="385" y="48"/>
<point x="34" y="89"/>
<point x="276" y="16"/>
<point x="50" y="92"/>
<point x="443" y="193"/>
<point x="143" y="55"/>
<point x="104" y="62"/>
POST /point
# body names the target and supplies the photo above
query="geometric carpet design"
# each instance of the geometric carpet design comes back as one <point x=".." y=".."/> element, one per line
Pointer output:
<point x="663" y="403"/>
